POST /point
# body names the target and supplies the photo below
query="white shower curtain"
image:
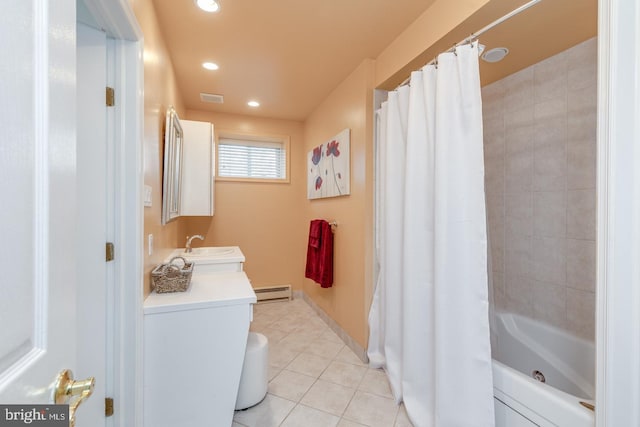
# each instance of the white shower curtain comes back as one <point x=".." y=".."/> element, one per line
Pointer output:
<point x="429" y="326"/>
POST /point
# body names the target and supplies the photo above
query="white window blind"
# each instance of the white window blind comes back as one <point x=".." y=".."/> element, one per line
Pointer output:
<point x="248" y="158"/>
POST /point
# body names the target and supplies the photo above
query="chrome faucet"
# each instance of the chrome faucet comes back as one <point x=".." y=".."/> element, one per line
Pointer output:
<point x="188" y="249"/>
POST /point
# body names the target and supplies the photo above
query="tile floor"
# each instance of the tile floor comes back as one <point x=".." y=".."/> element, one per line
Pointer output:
<point x="314" y="379"/>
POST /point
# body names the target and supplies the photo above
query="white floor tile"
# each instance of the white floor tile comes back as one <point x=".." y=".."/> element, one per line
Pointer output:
<point x="303" y="416"/>
<point x="328" y="397"/>
<point x="344" y="374"/>
<point x="348" y="356"/>
<point x="285" y="325"/>
<point x="273" y="371"/>
<point x="280" y="356"/>
<point x="297" y="341"/>
<point x="273" y="335"/>
<point x="329" y="335"/>
<point x="291" y="385"/>
<point x="371" y="410"/>
<point x="375" y="381"/>
<point x="293" y="375"/>
<point x="324" y="348"/>
<point x="269" y="413"/>
<point x="309" y="364"/>
<point x="402" y="419"/>
<point x="347" y="423"/>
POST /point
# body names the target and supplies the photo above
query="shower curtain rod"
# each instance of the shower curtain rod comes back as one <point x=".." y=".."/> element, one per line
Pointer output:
<point x="474" y="36"/>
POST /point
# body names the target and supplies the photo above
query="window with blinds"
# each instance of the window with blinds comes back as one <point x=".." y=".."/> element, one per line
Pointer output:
<point x="249" y="158"/>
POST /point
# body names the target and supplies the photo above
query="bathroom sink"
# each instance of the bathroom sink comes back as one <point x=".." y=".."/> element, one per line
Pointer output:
<point x="209" y="252"/>
<point x="212" y="258"/>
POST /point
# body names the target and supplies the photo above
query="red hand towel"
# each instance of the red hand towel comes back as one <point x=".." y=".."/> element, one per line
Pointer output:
<point x="320" y="253"/>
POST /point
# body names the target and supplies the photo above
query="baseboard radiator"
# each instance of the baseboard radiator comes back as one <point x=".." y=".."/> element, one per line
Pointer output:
<point x="273" y="293"/>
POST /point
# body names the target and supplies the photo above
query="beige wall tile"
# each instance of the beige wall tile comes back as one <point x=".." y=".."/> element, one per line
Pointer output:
<point x="519" y="213"/>
<point x="517" y="119"/>
<point x="581" y="313"/>
<point x="550" y="166"/>
<point x="493" y="100"/>
<point x="496" y="240"/>
<point x="518" y="259"/>
<point x="549" y="260"/>
<point x="550" y="213"/>
<point x="550" y="304"/>
<point x="581" y="264"/>
<point x="494" y="175"/>
<point x="519" y="172"/>
<point x="494" y="139"/>
<point x="581" y="125"/>
<point x="581" y="214"/>
<point x="582" y="64"/>
<point x="550" y="77"/>
<point x="518" y="90"/>
<point x="540" y="157"/>
<point x="581" y="100"/>
<point x="581" y="164"/>
<point x="499" y="296"/>
<point x="519" y="295"/>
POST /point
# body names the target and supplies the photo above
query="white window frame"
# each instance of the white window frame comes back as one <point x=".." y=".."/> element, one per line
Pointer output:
<point x="267" y="139"/>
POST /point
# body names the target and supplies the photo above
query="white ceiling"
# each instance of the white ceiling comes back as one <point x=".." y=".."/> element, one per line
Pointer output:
<point x="287" y="54"/>
<point x="290" y="54"/>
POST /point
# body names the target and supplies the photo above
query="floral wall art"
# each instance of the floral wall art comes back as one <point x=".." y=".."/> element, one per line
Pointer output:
<point x="328" y="168"/>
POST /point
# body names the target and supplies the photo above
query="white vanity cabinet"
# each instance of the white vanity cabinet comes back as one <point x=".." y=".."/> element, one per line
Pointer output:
<point x="194" y="346"/>
<point x="198" y="169"/>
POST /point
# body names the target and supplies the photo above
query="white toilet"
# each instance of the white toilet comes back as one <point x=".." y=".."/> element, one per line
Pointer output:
<point x="255" y="370"/>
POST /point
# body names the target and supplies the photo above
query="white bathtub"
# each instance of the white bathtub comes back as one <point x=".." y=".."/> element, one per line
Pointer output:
<point x="522" y="346"/>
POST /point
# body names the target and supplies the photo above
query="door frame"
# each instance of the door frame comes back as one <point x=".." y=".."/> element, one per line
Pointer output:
<point x="125" y="50"/>
<point x="618" y="276"/>
<point x="618" y="213"/>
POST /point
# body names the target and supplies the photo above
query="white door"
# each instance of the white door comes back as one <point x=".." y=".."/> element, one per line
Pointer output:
<point x="38" y="188"/>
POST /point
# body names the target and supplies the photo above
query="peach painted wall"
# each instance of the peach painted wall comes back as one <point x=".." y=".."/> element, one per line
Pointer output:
<point x="350" y="105"/>
<point x="264" y="219"/>
<point x="431" y="26"/>
<point x="160" y="92"/>
<point x="270" y="221"/>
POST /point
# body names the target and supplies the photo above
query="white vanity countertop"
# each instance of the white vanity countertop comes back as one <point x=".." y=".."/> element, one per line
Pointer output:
<point x="205" y="291"/>
<point x="226" y="254"/>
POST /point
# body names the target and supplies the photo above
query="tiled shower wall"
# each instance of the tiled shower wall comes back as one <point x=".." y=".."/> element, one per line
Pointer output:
<point x="540" y="171"/>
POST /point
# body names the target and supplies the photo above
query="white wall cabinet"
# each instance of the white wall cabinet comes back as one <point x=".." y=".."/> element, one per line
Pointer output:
<point x="198" y="169"/>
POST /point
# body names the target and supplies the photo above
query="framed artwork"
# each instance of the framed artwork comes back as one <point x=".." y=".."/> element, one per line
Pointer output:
<point x="328" y="164"/>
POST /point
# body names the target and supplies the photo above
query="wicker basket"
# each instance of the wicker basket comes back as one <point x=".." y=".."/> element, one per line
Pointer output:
<point x="171" y="277"/>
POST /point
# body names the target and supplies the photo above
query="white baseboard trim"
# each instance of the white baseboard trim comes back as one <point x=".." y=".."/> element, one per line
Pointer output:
<point x="349" y="342"/>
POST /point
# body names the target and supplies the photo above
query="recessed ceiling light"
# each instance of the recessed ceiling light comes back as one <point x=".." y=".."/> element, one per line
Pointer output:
<point x="496" y="54"/>
<point x="208" y="5"/>
<point x="210" y="66"/>
<point x="253" y="104"/>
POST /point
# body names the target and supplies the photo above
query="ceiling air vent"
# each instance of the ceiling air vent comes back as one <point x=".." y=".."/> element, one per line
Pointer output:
<point x="211" y="97"/>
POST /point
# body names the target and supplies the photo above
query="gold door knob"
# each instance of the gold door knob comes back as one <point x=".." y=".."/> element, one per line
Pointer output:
<point x="66" y="390"/>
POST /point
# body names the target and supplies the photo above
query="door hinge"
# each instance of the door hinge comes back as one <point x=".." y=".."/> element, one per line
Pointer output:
<point x="108" y="406"/>
<point x="111" y="97"/>
<point x="110" y="252"/>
